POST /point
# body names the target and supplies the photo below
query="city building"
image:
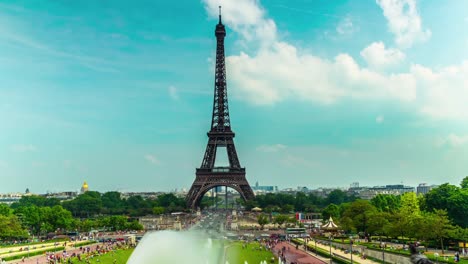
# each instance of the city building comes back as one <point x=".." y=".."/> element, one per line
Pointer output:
<point x="368" y="193"/>
<point x="323" y="192"/>
<point x="302" y="189"/>
<point x="62" y="196"/>
<point x="144" y="195"/>
<point x="423" y="188"/>
<point x="9" y="198"/>
<point x="264" y="189"/>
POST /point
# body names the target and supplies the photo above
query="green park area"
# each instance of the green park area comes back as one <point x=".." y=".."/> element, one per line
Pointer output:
<point x="241" y="253"/>
<point x="236" y="253"/>
<point x="119" y="256"/>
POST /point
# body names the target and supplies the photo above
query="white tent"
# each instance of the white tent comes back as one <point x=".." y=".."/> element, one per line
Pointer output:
<point x="330" y="225"/>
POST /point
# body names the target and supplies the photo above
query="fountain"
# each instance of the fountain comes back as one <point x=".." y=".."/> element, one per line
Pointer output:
<point x="187" y="247"/>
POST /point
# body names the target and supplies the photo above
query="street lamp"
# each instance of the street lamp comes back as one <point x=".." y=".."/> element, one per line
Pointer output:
<point x="351" y="245"/>
<point x="55" y="252"/>
<point x="315" y="240"/>
<point x="383" y="251"/>
<point x="331" y="259"/>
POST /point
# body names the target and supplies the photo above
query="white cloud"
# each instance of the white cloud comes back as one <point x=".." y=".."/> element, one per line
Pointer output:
<point x="379" y="119"/>
<point x="23" y="148"/>
<point x="245" y="17"/>
<point x="404" y="21"/>
<point x="454" y="140"/>
<point x="152" y="159"/>
<point x="271" y="148"/>
<point x="281" y="71"/>
<point x="277" y="70"/>
<point x="444" y="92"/>
<point x="346" y="26"/>
<point x="173" y="93"/>
<point x="378" y="57"/>
<point x="298" y="160"/>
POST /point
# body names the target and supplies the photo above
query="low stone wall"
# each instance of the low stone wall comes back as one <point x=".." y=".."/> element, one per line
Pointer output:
<point x="389" y="257"/>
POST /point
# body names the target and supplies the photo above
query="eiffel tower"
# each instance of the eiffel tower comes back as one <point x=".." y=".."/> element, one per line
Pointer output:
<point x="220" y="135"/>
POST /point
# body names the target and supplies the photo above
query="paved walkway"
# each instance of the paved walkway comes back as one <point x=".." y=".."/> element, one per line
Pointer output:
<point x="42" y="259"/>
<point x="342" y="253"/>
<point x="294" y="255"/>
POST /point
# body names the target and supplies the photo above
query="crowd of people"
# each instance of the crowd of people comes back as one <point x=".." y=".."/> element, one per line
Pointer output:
<point x="87" y="253"/>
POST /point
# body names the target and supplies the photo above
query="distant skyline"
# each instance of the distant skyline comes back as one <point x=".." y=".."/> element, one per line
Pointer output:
<point x="321" y="93"/>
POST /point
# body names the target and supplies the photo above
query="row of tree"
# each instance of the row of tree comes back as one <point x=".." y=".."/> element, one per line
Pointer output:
<point x="29" y="220"/>
<point x="435" y="217"/>
<point x="94" y="203"/>
<point x="453" y="199"/>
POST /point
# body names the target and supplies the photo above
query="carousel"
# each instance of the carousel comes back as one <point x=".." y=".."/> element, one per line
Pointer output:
<point x="330" y="227"/>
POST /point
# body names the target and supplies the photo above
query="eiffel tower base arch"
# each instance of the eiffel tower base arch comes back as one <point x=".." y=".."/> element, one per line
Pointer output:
<point x="204" y="183"/>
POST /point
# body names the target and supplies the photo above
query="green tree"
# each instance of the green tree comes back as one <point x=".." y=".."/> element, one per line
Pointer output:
<point x="280" y="219"/>
<point x="287" y="208"/>
<point x="57" y="217"/>
<point x="440" y="226"/>
<point x="133" y="225"/>
<point x="300" y="202"/>
<point x="250" y="204"/>
<point x="117" y="223"/>
<point x="332" y="210"/>
<point x="10" y="228"/>
<point x="386" y="202"/>
<point x="464" y="183"/>
<point x="421" y="227"/>
<point x="5" y="210"/>
<point x="87" y="225"/>
<point x="337" y="197"/>
<point x="347" y="224"/>
<point x="460" y="234"/>
<point x="451" y="198"/>
<point x="262" y="220"/>
<point x="378" y="223"/>
<point x="360" y="211"/>
<point x="410" y="204"/>
<point x="85" y="205"/>
<point x="400" y="225"/>
<point x="158" y="210"/>
<point x="113" y="203"/>
<point x="138" y="206"/>
<point x="31" y="218"/>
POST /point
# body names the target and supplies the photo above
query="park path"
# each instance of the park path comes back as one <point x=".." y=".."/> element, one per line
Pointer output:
<point x="42" y="259"/>
<point x="338" y="252"/>
<point x="296" y="255"/>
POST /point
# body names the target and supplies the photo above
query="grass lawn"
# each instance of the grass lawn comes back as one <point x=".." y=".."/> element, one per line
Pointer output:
<point x="449" y="259"/>
<point x="235" y="254"/>
<point x="121" y="256"/>
<point x="34" y="243"/>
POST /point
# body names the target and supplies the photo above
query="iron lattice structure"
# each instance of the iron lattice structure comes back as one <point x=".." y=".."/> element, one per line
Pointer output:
<point x="220" y="135"/>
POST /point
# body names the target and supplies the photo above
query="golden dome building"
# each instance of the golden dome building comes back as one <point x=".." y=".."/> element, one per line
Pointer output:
<point x="84" y="188"/>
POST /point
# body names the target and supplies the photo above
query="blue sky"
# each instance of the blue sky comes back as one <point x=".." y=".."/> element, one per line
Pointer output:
<point x="322" y="93"/>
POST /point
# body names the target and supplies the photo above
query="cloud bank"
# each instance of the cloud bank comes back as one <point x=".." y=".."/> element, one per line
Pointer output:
<point x="270" y="70"/>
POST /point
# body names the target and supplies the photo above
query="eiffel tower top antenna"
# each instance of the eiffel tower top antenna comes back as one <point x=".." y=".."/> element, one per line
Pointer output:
<point x="220" y="22"/>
